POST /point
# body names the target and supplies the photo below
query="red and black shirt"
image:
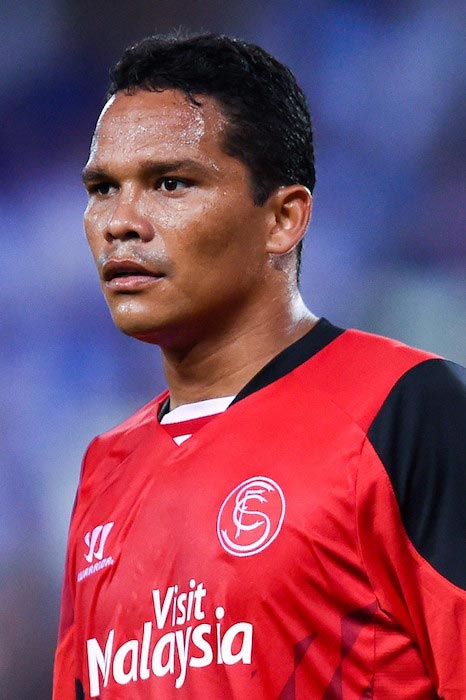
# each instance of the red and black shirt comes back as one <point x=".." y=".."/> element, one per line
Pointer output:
<point x="307" y="543"/>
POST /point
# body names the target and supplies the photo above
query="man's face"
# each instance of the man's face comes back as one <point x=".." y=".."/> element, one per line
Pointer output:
<point x="177" y="239"/>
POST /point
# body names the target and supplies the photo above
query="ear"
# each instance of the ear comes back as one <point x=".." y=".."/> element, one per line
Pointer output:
<point x="292" y="207"/>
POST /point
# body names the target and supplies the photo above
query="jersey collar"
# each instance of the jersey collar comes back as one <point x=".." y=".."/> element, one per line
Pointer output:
<point x="291" y="357"/>
<point x="315" y="340"/>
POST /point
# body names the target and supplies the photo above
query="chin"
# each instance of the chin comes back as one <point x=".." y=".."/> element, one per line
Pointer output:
<point x="140" y="331"/>
<point x="131" y="317"/>
<point x="134" y="324"/>
<point x="152" y="330"/>
<point x="164" y="327"/>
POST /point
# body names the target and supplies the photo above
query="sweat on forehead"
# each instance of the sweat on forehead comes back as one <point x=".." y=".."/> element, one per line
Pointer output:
<point x="157" y="127"/>
<point x="161" y="110"/>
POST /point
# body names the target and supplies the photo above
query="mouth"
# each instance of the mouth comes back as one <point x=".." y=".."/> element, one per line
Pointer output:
<point x="128" y="275"/>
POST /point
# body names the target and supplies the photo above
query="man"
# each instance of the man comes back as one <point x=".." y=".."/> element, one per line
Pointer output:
<point x="287" y="520"/>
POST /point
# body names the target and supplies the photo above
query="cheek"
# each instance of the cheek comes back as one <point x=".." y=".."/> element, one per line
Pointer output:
<point x="221" y="233"/>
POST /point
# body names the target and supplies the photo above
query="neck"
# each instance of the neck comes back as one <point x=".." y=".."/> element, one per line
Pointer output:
<point x="224" y="361"/>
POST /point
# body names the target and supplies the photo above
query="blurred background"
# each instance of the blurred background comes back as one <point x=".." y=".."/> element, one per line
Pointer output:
<point x="385" y="251"/>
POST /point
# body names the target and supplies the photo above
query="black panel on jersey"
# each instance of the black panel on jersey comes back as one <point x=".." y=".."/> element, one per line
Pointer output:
<point x="79" y="689"/>
<point x="420" y="436"/>
<point x="291" y="357"/>
<point x="164" y="409"/>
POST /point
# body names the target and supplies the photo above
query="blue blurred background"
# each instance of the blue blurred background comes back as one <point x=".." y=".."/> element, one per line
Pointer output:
<point x="385" y="251"/>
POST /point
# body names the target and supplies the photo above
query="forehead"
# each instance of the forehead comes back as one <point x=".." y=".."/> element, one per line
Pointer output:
<point x="167" y="120"/>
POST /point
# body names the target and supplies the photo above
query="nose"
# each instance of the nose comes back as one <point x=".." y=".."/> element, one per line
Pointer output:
<point x="126" y="221"/>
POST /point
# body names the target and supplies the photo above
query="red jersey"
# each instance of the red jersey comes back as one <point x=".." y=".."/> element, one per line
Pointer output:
<point x="306" y="544"/>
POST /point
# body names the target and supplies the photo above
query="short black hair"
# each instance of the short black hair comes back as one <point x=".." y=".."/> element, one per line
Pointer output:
<point x="269" y="124"/>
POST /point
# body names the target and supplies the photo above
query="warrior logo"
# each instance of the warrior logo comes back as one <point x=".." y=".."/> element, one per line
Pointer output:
<point x="92" y="539"/>
<point x="95" y="540"/>
<point x="251" y="516"/>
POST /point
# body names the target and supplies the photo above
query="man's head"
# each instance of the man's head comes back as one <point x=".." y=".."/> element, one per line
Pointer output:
<point x="268" y="121"/>
<point x="199" y="181"/>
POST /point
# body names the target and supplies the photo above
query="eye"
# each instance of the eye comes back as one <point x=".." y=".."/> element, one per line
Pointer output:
<point x="172" y="184"/>
<point x="102" y="188"/>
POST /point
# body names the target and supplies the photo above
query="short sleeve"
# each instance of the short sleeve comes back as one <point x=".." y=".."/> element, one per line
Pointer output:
<point x="411" y="490"/>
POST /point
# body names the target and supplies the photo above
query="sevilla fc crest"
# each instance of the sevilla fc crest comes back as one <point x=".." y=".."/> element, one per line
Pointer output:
<point x="251" y="516"/>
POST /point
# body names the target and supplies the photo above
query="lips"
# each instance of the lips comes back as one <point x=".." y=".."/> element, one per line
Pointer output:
<point x="126" y="275"/>
<point x="126" y="268"/>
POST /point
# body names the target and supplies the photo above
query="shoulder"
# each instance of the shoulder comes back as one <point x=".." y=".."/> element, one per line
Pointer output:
<point x="431" y="393"/>
<point x="146" y="414"/>
<point x="126" y="433"/>
<point x="410" y="407"/>
<point x="379" y="357"/>
<point x="420" y="438"/>
<point x="358" y="370"/>
<point x="422" y="422"/>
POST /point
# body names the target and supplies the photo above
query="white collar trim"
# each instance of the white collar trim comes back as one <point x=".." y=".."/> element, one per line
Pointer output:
<point x="199" y="409"/>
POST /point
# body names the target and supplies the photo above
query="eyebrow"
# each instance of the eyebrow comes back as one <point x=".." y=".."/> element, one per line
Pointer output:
<point x="147" y="168"/>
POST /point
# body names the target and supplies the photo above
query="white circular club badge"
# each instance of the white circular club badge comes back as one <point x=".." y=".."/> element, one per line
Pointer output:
<point x="251" y="516"/>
